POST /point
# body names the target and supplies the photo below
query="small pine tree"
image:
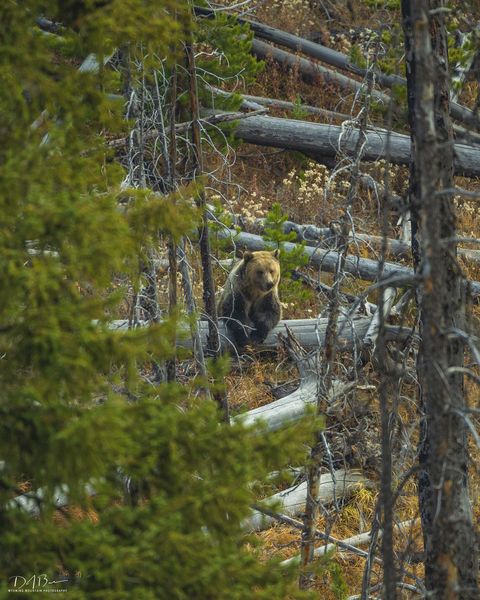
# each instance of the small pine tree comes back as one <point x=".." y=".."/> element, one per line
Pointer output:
<point x="289" y="260"/>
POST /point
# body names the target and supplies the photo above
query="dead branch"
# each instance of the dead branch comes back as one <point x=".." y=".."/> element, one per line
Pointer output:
<point x="350" y="544"/>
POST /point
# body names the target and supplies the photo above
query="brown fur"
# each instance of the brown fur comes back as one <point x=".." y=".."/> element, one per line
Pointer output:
<point x="250" y="301"/>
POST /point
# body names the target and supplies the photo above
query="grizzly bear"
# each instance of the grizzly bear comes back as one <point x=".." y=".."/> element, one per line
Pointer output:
<point x="250" y="299"/>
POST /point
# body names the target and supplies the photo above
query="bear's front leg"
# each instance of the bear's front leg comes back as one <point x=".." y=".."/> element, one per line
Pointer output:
<point x="265" y="315"/>
<point x="234" y="313"/>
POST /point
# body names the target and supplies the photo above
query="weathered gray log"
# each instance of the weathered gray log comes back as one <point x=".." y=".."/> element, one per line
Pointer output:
<point x="373" y="329"/>
<point x="292" y="407"/>
<point x="314" y="236"/>
<point x="292" y="500"/>
<point x="325" y="141"/>
<point x="325" y="237"/>
<point x="400" y="249"/>
<point x="326" y="260"/>
<point x="326" y="55"/>
<point x="309" y="332"/>
<point x="310" y="71"/>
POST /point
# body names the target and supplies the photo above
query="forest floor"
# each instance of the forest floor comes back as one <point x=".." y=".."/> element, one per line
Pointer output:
<point x="308" y="192"/>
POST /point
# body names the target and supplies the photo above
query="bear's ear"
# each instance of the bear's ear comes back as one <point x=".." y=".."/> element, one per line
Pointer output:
<point x="276" y="253"/>
<point x="247" y="256"/>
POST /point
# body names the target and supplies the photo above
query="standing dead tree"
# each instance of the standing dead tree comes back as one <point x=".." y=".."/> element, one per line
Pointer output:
<point x="451" y="567"/>
<point x="214" y="345"/>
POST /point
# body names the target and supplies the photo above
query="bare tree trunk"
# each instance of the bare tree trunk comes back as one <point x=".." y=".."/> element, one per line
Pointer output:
<point x="171" y="161"/>
<point x="214" y="346"/>
<point x="386" y="395"/>
<point x="450" y="560"/>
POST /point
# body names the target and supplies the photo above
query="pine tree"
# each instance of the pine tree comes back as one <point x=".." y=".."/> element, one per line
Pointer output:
<point x="75" y="413"/>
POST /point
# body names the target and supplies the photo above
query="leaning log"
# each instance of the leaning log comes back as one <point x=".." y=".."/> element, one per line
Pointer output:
<point x="312" y="72"/>
<point x="292" y="500"/>
<point x="324" y="141"/>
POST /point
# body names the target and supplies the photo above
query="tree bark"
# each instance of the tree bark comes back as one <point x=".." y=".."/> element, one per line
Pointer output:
<point x="213" y="345"/>
<point x="451" y="567"/>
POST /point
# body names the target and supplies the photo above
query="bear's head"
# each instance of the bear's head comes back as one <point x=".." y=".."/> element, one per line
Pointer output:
<point x="262" y="270"/>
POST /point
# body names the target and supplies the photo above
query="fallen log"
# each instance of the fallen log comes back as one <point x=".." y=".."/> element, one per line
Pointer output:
<point x="342" y="61"/>
<point x="326" y="260"/>
<point x="309" y="332"/>
<point x="312" y="235"/>
<point x="292" y="500"/>
<point x="293" y="406"/>
<point x="324" y="236"/>
<point x="322" y="53"/>
<point x="324" y="141"/>
<point x="312" y="72"/>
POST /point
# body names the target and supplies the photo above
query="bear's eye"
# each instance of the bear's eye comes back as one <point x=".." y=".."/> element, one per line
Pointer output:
<point x="259" y="272"/>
